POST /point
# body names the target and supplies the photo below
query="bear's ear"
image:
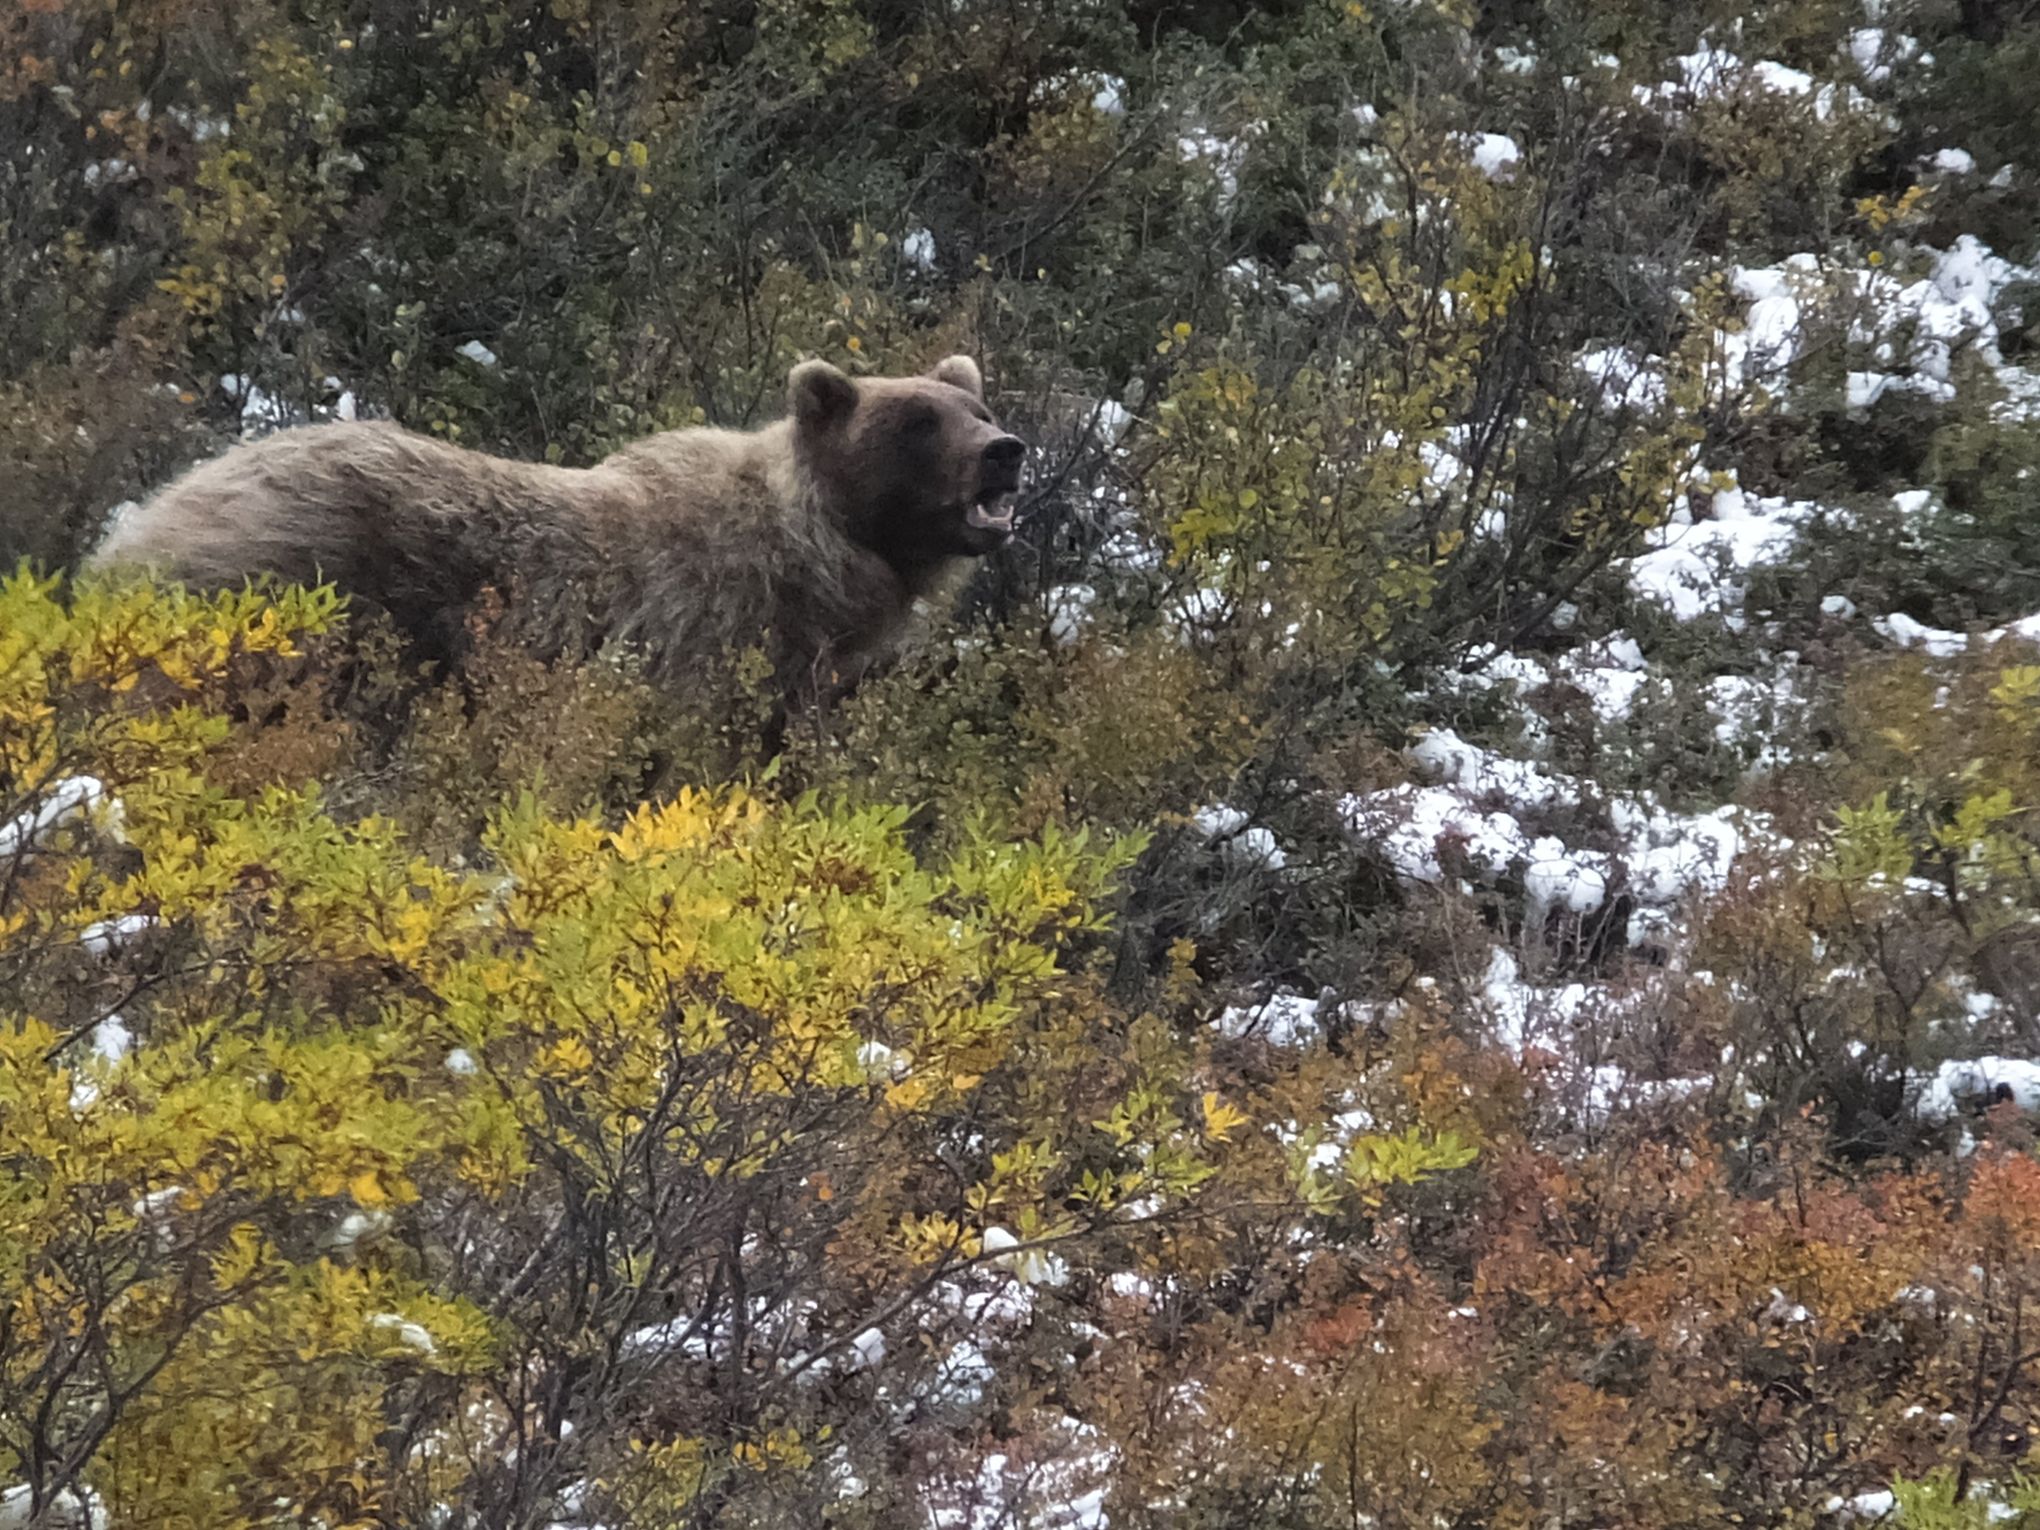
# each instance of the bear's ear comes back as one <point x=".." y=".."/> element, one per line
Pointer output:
<point x="960" y="372"/>
<point x="818" y="394"/>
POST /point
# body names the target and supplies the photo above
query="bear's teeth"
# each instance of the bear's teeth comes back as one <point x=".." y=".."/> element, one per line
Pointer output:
<point x="981" y="517"/>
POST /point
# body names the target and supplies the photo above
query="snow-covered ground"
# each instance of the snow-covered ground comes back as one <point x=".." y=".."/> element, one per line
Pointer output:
<point x="1474" y="817"/>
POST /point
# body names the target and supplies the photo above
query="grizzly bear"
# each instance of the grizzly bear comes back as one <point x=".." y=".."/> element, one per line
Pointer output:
<point x="812" y="537"/>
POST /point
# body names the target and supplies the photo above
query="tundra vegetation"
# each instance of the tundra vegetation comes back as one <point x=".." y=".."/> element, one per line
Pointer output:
<point x="1450" y="936"/>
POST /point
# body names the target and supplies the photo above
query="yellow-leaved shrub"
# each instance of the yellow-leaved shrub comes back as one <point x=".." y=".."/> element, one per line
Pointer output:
<point x="338" y="1176"/>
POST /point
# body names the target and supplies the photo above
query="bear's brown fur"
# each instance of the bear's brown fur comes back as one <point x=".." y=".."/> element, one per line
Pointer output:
<point x="813" y="536"/>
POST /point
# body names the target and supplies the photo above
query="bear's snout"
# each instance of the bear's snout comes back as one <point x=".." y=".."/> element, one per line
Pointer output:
<point x="998" y="477"/>
<point x="1002" y="464"/>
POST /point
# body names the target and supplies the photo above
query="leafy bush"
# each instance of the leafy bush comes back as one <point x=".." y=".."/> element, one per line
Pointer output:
<point x="481" y="1180"/>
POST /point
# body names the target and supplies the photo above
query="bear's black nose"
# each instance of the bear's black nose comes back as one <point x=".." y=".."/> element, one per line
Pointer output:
<point x="1005" y="454"/>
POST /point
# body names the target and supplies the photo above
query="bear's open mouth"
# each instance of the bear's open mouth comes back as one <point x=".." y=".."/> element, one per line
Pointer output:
<point x="993" y="511"/>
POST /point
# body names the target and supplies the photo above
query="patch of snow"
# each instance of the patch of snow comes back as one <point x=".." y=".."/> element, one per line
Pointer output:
<point x="1866" y="388"/>
<point x="1930" y="319"/>
<point x="1496" y="155"/>
<point x="1610" y="1088"/>
<point x="1623" y="377"/>
<point x="1941" y="643"/>
<point x="1695" y="570"/>
<point x="1603" y="671"/>
<point x="1770" y="338"/>
<point x="1242" y="842"/>
<point x="1318" y="295"/>
<point x="865" y="1351"/>
<point x="1129" y="1287"/>
<point x="1283" y="1019"/>
<point x="1110" y="420"/>
<point x="107" y="172"/>
<point x="1939" y="1098"/>
<point x="1673" y="856"/>
<point x="1868" y="1506"/>
<point x="202" y="127"/>
<point x="109" y="935"/>
<point x="1923" y="1299"/>
<point x="1713" y="73"/>
<point x="1519" y="1012"/>
<point x="771" y="1326"/>
<point x="356" y="1226"/>
<point x="344" y="405"/>
<point x="260" y="412"/>
<point x="1059" y="1483"/>
<point x="1033" y="1266"/>
<point x="1980" y="1006"/>
<point x="1875" y="52"/>
<point x="1409" y="825"/>
<point x="1445" y="757"/>
<point x="411" y="1335"/>
<point x="880" y="1062"/>
<point x="1130" y="551"/>
<point x="67" y="1510"/>
<point x="1623" y="651"/>
<point x="659" y="1340"/>
<point x="1784" y="1311"/>
<point x="1948" y="310"/>
<point x="1222" y="156"/>
<point x="1198" y="612"/>
<point x="961" y="1378"/>
<point x="844" y="1479"/>
<point x="1558" y="878"/>
<point x="71" y="799"/>
<point x="1747" y="710"/>
<point x="110" y="1042"/>
<point x="1469" y="827"/>
<point x="1069" y="613"/>
<point x="1612" y="690"/>
<point x="1934" y="642"/>
<point x="1003" y="1306"/>
<point x="158" y="1204"/>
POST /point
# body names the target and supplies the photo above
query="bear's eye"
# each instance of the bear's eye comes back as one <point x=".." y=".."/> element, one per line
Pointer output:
<point x="921" y="421"/>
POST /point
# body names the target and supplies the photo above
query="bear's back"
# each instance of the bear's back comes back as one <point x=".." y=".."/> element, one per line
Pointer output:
<point x="398" y="520"/>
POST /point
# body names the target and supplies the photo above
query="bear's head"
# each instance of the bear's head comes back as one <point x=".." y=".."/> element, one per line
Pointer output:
<point x="916" y="467"/>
